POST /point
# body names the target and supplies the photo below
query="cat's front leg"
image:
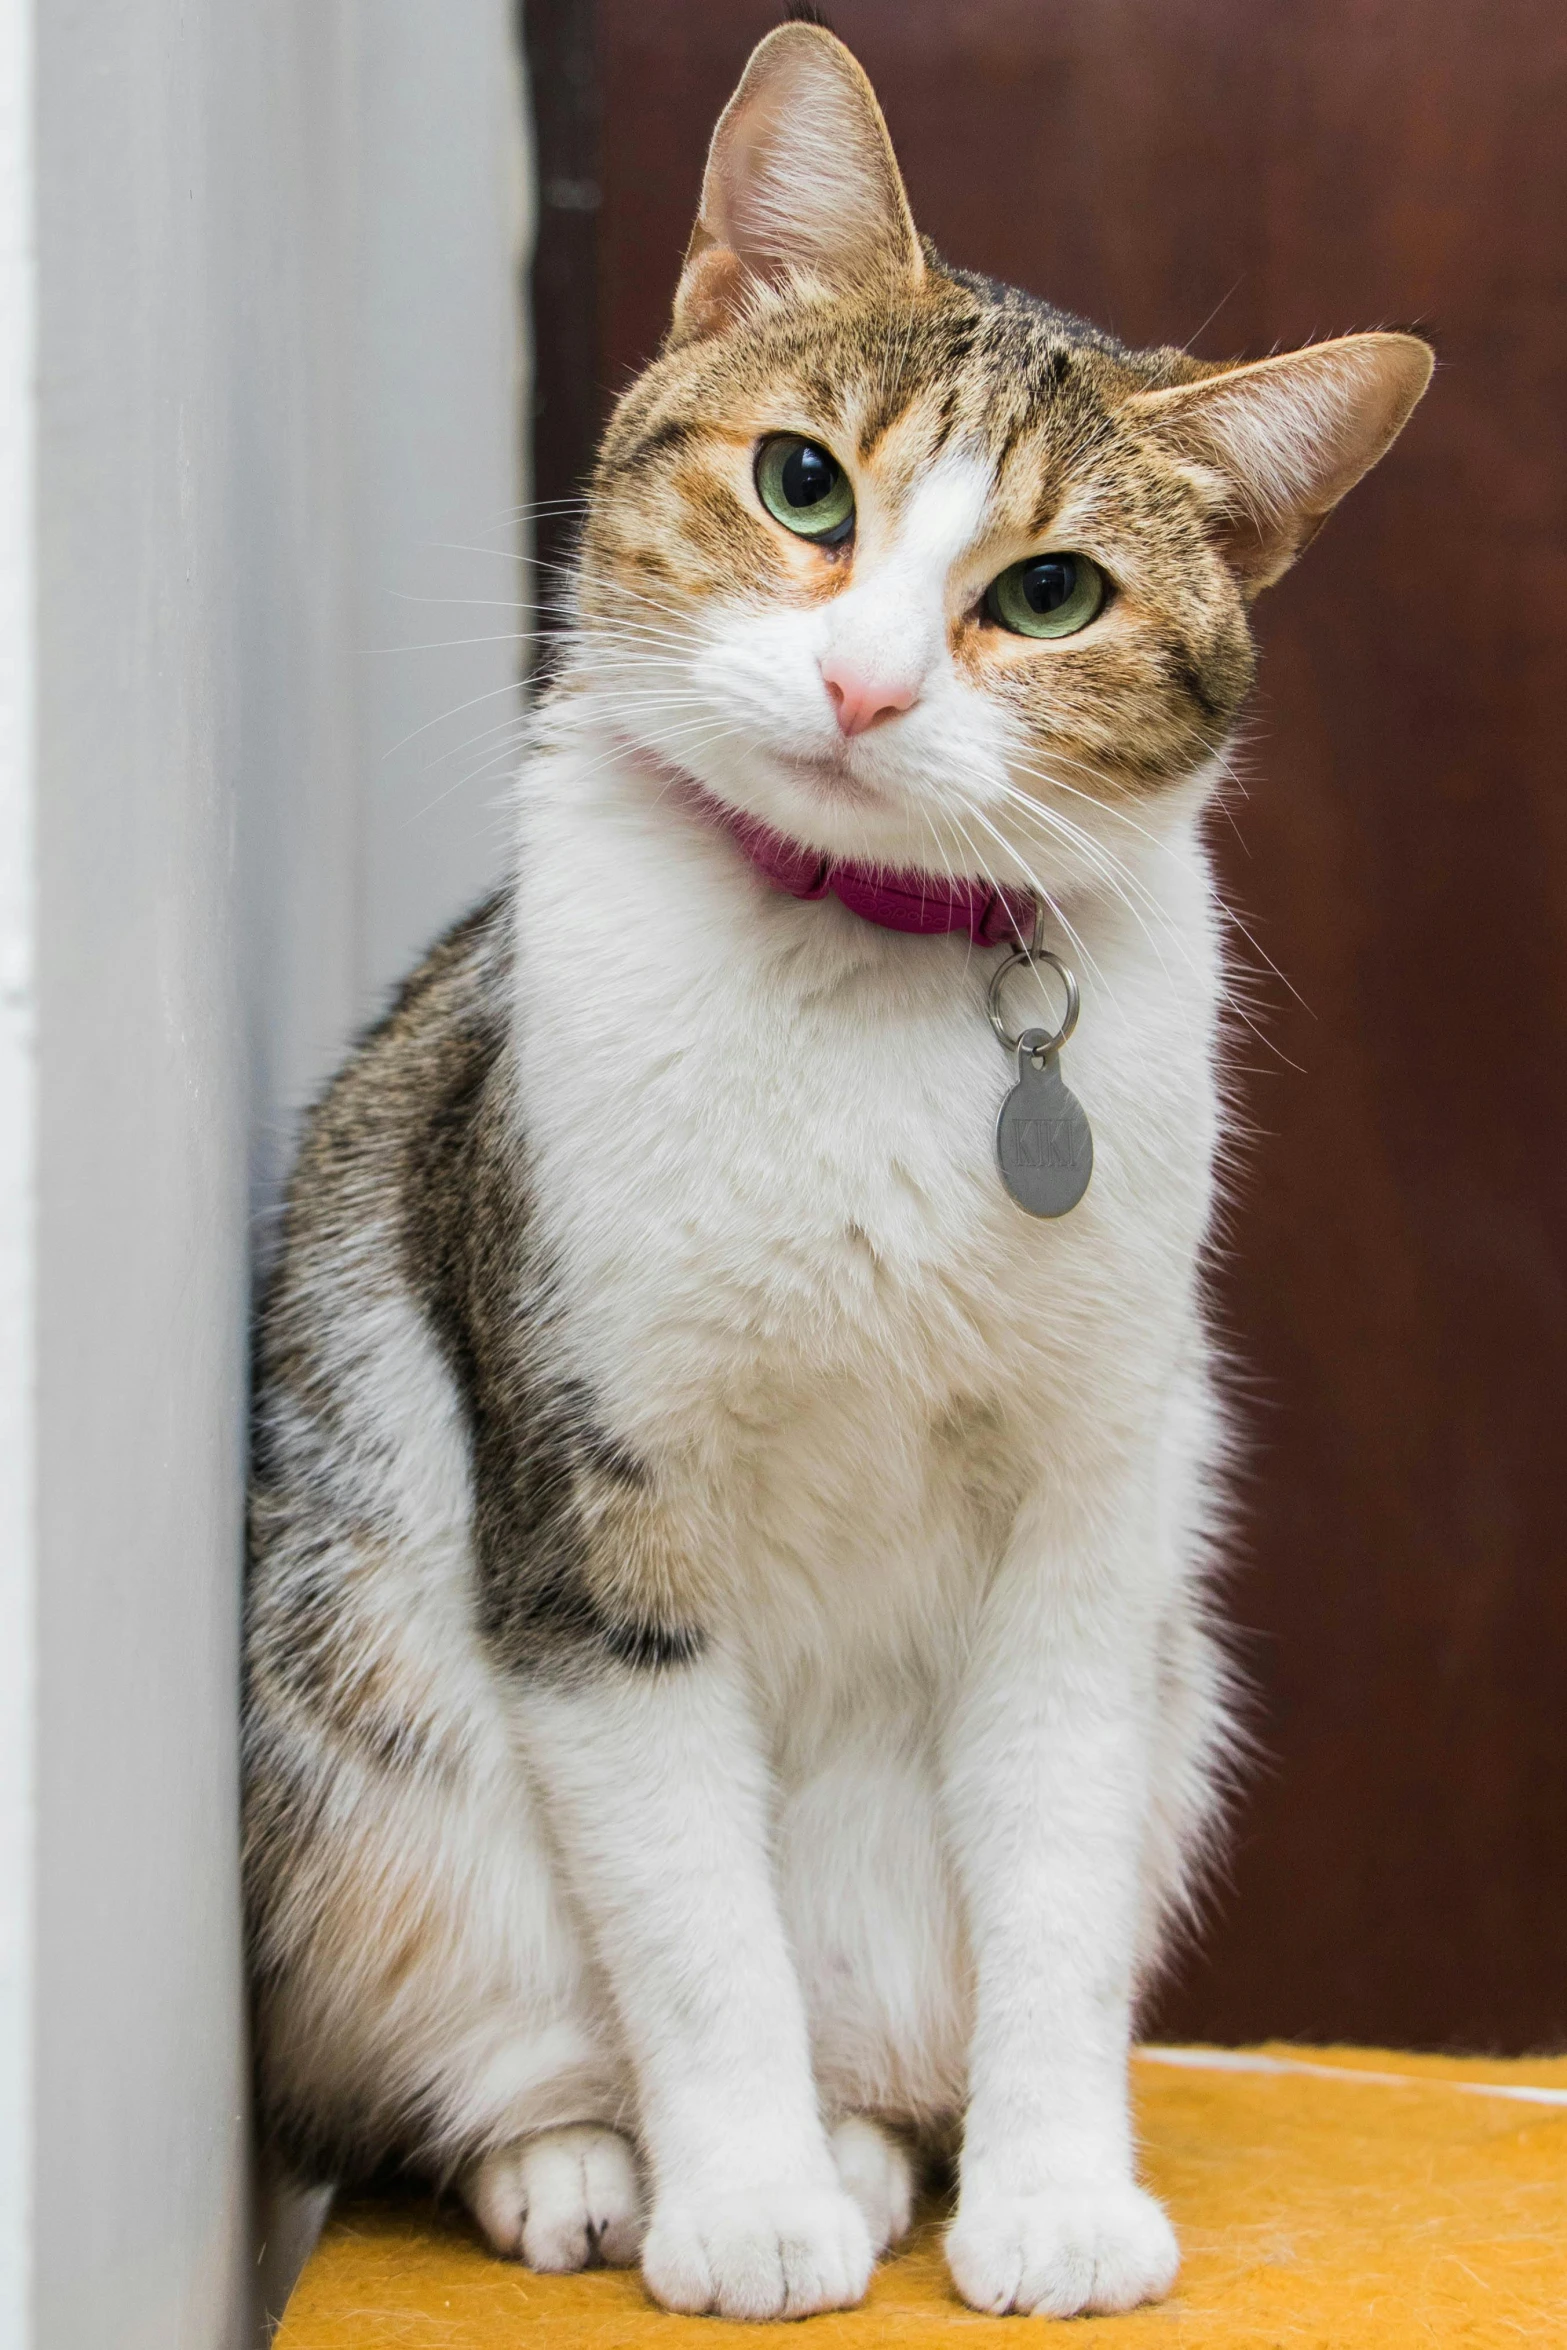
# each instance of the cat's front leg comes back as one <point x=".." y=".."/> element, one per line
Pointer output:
<point x="658" y="1792"/>
<point x="1047" y="1791"/>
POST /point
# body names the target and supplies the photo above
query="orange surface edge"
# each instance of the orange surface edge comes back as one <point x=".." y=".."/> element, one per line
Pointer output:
<point x="1312" y="2212"/>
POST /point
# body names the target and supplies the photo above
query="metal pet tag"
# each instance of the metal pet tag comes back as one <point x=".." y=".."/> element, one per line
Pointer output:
<point x="1044" y="1144"/>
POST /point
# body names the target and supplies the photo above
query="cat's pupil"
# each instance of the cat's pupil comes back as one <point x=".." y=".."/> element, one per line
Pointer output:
<point x="1048" y="583"/>
<point x="807" y="475"/>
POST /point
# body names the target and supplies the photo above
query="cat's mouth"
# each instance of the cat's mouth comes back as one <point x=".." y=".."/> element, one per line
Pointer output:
<point x="832" y="780"/>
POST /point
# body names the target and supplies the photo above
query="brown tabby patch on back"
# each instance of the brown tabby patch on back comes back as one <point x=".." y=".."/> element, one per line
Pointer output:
<point x="422" y="1125"/>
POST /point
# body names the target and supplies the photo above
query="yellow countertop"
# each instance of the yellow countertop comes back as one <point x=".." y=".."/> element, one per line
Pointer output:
<point x="1325" y="2198"/>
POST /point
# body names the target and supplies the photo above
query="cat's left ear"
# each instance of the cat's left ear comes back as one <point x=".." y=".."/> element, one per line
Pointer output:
<point x="801" y="182"/>
<point x="1276" y="444"/>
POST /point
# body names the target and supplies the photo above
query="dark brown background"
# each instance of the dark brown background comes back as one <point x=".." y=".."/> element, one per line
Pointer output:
<point x="1244" y="177"/>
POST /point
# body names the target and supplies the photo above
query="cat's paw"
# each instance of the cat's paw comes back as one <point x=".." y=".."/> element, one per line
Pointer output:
<point x="1062" y="2251"/>
<point x="566" y="2199"/>
<point x="773" y="2252"/>
<point x="877" y="2171"/>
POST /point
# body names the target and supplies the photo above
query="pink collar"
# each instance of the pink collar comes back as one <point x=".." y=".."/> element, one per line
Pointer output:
<point x="928" y="904"/>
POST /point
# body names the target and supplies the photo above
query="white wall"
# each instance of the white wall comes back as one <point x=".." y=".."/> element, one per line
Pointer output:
<point x="17" y="1548"/>
<point x="275" y="307"/>
<point x="439" y="424"/>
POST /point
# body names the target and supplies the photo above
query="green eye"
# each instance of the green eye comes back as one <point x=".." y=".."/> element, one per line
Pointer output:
<point x="1048" y="595"/>
<point x="804" y="487"/>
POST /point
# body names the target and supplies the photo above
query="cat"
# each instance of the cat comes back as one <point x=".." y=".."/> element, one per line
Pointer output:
<point x="732" y="1704"/>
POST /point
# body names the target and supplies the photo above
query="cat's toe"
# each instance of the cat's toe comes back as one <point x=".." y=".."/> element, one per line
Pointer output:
<point x="1063" y="2251"/>
<point x="876" y="2169"/>
<point x="772" y="2252"/>
<point x="566" y="2199"/>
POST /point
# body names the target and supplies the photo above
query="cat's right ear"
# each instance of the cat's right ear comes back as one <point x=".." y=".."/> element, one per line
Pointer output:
<point x="801" y="185"/>
<point x="1275" y="444"/>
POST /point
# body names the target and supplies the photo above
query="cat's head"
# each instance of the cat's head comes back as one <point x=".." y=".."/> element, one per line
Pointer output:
<point x="916" y="568"/>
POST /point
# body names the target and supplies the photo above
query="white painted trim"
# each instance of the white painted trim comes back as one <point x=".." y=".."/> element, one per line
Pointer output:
<point x="17" y="1124"/>
<point x="1252" y="2060"/>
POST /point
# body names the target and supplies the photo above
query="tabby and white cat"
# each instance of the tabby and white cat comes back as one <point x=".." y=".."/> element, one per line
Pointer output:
<point x="730" y="1707"/>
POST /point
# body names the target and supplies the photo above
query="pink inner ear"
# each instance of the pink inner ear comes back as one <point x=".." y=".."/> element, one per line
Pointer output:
<point x="801" y="173"/>
<point x="711" y="291"/>
<point x="1294" y="434"/>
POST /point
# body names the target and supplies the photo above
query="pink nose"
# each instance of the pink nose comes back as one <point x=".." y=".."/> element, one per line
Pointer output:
<point x="861" y="702"/>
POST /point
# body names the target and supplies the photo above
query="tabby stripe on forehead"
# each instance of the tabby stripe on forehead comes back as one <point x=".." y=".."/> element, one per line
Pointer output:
<point x="673" y="434"/>
<point x="890" y="408"/>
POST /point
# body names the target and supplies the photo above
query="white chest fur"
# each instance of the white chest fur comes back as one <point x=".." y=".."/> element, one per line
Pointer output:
<point x="763" y="1143"/>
